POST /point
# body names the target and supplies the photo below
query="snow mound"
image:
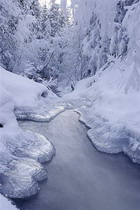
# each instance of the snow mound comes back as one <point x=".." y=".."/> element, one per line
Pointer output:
<point x="21" y="164"/>
<point x="31" y="100"/>
<point x="26" y="93"/>
<point x="21" y="152"/>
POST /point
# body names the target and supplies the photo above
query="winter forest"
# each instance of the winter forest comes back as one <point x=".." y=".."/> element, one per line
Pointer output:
<point x="70" y="104"/>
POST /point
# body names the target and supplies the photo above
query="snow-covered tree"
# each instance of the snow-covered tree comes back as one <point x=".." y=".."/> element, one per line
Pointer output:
<point x="56" y="18"/>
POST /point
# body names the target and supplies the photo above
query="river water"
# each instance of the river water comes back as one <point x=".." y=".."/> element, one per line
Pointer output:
<point x="80" y="177"/>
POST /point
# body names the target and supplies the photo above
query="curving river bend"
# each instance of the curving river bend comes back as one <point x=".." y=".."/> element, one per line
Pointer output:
<point x="80" y="177"/>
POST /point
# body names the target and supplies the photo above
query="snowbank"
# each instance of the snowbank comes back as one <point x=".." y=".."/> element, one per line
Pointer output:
<point x="21" y="152"/>
<point x="110" y="100"/>
<point x="110" y="106"/>
<point x="5" y="204"/>
<point x="26" y="93"/>
<point x="30" y="98"/>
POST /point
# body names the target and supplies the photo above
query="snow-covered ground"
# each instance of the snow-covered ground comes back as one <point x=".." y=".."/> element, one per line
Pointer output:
<point x="5" y="204"/>
<point x="112" y="98"/>
<point x="111" y="109"/>
<point x="29" y="98"/>
<point x="21" y="152"/>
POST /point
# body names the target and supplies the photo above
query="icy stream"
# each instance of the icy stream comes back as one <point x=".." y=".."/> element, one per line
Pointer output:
<point x="80" y="177"/>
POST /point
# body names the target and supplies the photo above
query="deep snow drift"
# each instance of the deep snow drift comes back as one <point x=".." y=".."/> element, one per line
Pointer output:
<point x="21" y="152"/>
<point x="112" y="97"/>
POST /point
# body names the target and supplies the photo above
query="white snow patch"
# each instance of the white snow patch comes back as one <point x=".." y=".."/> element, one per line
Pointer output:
<point x="5" y="204"/>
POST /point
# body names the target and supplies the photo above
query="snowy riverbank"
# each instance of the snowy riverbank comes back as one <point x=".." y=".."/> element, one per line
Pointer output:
<point x="111" y="97"/>
<point x="21" y="152"/>
<point x="79" y="175"/>
<point x="110" y="106"/>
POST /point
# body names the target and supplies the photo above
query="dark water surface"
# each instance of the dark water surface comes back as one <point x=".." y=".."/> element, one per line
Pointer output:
<point x="79" y="177"/>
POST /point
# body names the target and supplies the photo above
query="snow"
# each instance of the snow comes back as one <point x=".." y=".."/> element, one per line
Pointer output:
<point x="111" y="109"/>
<point x="30" y="98"/>
<point x="25" y="93"/>
<point x="106" y="17"/>
<point x="109" y="102"/>
<point x="21" y="152"/>
<point x="5" y="204"/>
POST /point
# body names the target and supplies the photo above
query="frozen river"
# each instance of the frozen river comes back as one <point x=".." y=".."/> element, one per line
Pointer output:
<point x="80" y="177"/>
